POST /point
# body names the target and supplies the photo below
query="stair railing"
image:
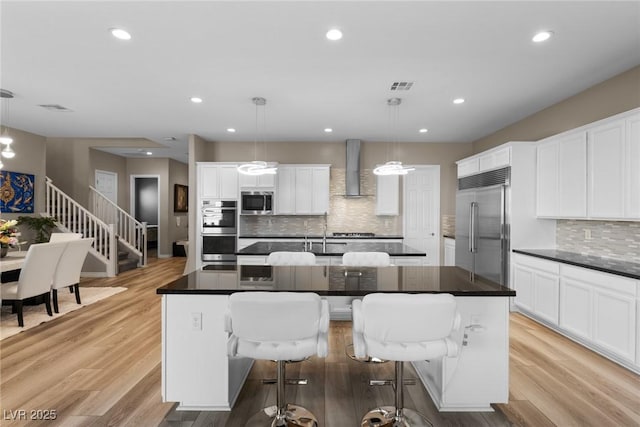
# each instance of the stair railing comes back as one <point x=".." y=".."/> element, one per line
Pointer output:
<point x="131" y="232"/>
<point x="73" y="217"/>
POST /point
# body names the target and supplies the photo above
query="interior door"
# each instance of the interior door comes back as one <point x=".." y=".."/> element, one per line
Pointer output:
<point x="422" y="211"/>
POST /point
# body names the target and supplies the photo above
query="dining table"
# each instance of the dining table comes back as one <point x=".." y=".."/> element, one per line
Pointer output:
<point x="11" y="264"/>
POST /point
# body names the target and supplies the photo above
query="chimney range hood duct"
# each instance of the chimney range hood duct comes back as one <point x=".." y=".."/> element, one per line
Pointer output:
<point x="352" y="177"/>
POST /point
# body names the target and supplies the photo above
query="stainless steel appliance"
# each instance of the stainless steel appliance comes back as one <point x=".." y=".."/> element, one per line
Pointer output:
<point x="256" y="202"/>
<point x="219" y="231"/>
<point x="482" y="224"/>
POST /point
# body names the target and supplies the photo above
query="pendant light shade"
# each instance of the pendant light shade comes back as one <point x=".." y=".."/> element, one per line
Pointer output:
<point x="258" y="167"/>
<point x="393" y="167"/>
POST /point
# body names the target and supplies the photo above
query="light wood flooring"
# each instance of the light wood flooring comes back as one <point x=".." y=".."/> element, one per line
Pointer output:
<point x="100" y="366"/>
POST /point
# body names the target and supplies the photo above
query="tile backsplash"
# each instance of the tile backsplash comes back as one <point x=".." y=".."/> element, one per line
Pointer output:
<point x="610" y="239"/>
<point x="345" y="214"/>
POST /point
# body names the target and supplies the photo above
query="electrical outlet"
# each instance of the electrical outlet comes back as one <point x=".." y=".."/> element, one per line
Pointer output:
<point x="196" y="321"/>
<point x="587" y="234"/>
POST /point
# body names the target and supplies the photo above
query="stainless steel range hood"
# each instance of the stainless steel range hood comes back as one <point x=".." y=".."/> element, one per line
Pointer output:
<point x="352" y="175"/>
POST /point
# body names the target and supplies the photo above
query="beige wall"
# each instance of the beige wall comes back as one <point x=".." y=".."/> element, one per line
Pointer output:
<point x="30" y="158"/>
<point x="613" y="96"/>
<point x="178" y="174"/>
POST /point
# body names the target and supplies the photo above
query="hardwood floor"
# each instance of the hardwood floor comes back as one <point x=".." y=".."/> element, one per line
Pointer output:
<point x="100" y="366"/>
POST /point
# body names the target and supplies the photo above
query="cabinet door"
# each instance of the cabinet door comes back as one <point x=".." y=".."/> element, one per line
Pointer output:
<point x="607" y="170"/>
<point x="228" y="181"/>
<point x="632" y="197"/>
<point x="303" y="191"/>
<point x="547" y="180"/>
<point x="320" y="190"/>
<point x="575" y="307"/>
<point x="546" y="296"/>
<point x="285" y="191"/>
<point x="208" y="181"/>
<point x="266" y="181"/>
<point x="247" y="181"/>
<point x="387" y="195"/>
<point x="523" y="282"/>
<point x="468" y="167"/>
<point x="572" y="175"/>
<point x="614" y="322"/>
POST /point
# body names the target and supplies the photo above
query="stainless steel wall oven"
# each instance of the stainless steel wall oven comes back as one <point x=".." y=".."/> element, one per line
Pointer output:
<point x="219" y="231"/>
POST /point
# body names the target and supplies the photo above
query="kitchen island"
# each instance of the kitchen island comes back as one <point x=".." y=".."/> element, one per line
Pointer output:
<point x="197" y="373"/>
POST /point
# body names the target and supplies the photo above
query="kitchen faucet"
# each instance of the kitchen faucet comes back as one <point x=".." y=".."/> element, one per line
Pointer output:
<point x="324" y="234"/>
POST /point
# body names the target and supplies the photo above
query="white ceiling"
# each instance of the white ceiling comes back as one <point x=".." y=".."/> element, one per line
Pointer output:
<point x="228" y="52"/>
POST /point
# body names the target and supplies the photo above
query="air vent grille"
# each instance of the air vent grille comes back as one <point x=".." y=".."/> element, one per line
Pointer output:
<point x="401" y="85"/>
<point x="56" y="107"/>
<point x="486" y="179"/>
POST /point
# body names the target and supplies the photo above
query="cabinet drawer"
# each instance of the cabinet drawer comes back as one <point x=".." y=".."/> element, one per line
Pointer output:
<point x="537" y="263"/>
<point x="601" y="280"/>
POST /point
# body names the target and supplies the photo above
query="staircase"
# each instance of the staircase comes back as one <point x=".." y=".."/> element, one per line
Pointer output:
<point x="119" y="244"/>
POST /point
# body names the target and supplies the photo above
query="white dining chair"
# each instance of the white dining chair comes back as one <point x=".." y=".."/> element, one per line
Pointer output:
<point x="366" y="259"/>
<point x="69" y="268"/>
<point x="35" y="277"/>
<point x="64" y="237"/>
<point x="291" y="258"/>
<point x="420" y="328"/>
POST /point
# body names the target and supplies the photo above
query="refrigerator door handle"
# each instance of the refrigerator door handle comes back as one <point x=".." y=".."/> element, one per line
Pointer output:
<point x="472" y="227"/>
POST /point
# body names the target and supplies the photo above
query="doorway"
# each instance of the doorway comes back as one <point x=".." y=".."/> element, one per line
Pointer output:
<point x="422" y="211"/>
<point x="145" y="203"/>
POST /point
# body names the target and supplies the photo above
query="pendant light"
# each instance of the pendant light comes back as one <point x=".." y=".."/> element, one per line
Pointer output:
<point x="258" y="167"/>
<point x="5" y="138"/>
<point x="393" y="167"/>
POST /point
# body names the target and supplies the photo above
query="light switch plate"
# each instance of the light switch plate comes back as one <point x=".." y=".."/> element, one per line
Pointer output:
<point x="196" y="321"/>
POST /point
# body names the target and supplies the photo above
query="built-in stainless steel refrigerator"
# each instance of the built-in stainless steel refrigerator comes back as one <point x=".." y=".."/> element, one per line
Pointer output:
<point x="482" y="224"/>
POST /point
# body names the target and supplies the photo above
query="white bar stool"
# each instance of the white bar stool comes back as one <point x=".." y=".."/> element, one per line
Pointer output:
<point x="418" y="327"/>
<point x="291" y="258"/>
<point x="261" y="328"/>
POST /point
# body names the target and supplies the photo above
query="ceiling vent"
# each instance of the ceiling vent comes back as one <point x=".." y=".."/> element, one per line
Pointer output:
<point x="401" y="85"/>
<point x="55" y="107"/>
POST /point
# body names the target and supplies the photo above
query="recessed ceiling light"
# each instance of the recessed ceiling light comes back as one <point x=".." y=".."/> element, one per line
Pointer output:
<point x="328" y="130"/>
<point x="458" y="101"/>
<point x="196" y="100"/>
<point x="149" y="153"/>
<point x="423" y="130"/>
<point x="542" y="36"/>
<point x="334" y="34"/>
<point x="119" y="33"/>
<point x="231" y="130"/>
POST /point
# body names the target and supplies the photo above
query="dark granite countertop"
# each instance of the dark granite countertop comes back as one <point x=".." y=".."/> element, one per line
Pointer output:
<point x="332" y="249"/>
<point x="607" y="265"/>
<point x="319" y="236"/>
<point x="339" y="281"/>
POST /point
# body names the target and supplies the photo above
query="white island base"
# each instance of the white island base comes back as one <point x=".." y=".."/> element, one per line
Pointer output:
<point x="197" y="373"/>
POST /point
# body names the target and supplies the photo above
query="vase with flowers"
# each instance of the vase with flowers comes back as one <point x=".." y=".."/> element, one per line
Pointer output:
<point x="8" y="235"/>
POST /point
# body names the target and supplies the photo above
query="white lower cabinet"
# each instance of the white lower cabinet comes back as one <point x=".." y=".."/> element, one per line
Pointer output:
<point x="449" y="252"/>
<point x="537" y="286"/>
<point x="600" y="310"/>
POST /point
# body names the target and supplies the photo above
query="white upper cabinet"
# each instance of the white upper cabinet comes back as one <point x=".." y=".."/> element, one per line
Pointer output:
<point x="495" y="158"/>
<point x="562" y="176"/>
<point x="257" y="181"/>
<point x="592" y="172"/>
<point x="387" y="195"/>
<point x="302" y="190"/>
<point x="218" y="181"/>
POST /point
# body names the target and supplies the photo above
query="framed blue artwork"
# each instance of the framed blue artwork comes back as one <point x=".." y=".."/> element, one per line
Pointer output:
<point x="16" y="192"/>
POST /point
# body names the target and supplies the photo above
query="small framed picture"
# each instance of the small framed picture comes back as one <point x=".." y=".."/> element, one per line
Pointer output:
<point x="180" y="198"/>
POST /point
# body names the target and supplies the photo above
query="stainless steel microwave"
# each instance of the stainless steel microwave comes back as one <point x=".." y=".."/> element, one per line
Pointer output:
<point x="256" y="202"/>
